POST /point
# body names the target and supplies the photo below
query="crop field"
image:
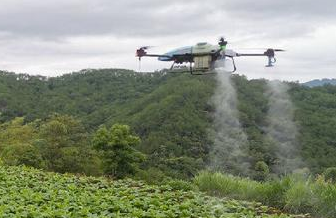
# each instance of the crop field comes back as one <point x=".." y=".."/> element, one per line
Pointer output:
<point x="27" y="192"/>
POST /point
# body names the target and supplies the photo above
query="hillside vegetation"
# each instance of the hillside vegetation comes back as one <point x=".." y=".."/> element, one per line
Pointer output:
<point x="155" y="127"/>
<point x="318" y="82"/>
<point x="171" y="113"/>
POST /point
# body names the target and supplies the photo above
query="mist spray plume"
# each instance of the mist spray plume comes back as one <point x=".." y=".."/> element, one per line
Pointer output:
<point x="229" y="138"/>
<point x="281" y="128"/>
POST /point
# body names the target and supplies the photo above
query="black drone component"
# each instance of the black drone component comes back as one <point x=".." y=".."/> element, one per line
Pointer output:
<point x="222" y="42"/>
<point x="269" y="52"/>
<point x="141" y="52"/>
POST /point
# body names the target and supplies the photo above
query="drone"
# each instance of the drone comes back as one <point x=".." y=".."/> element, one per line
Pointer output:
<point x="203" y="58"/>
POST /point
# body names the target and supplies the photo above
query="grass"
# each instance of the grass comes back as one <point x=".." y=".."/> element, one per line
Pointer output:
<point x="293" y="193"/>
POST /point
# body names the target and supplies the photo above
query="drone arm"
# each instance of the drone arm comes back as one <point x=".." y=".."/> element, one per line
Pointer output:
<point x="269" y="53"/>
<point x="271" y="58"/>
<point x="141" y="52"/>
<point x="154" y="55"/>
<point x="151" y="55"/>
<point x="241" y="54"/>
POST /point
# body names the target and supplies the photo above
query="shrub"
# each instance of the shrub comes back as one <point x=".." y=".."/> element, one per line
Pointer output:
<point x="262" y="171"/>
<point x="226" y="185"/>
<point x="151" y="175"/>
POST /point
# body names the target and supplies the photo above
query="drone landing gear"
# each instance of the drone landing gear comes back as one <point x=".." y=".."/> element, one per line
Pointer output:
<point x="223" y="61"/>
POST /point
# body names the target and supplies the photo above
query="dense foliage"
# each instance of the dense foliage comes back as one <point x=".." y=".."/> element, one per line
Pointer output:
<point x="171" y="113"/>
<point x="59" y="143"/>
<point x="28" y="192"/>
<point x="316" y="116"/>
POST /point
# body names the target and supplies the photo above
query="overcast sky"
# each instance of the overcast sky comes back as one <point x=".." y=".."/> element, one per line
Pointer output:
<point x="51" y="37"/>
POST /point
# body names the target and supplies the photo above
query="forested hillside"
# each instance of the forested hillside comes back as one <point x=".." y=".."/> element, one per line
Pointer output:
<point x="171" y="114"/>
<point x="317" y="82"/>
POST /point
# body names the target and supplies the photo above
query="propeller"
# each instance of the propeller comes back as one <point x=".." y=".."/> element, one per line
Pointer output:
<point x="146" y="47"/>
<point x="142" y="52"/>
<point x="270" y="51"/>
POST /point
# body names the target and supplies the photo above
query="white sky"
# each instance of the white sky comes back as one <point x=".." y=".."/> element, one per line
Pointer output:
<point x="51" y="38"/>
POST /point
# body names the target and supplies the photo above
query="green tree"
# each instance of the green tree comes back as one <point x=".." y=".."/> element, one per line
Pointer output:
<point x="64" y="145"/>
<point x="117" y="146"/>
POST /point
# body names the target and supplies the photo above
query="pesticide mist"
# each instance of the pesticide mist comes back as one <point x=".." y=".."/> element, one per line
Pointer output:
<point x="229" y="139"/>
<point x="281" y="129"/>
